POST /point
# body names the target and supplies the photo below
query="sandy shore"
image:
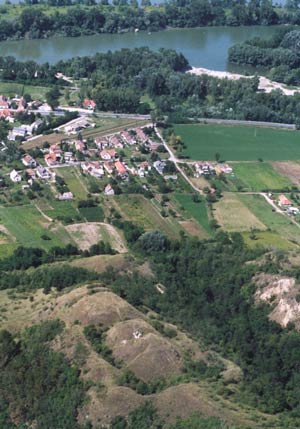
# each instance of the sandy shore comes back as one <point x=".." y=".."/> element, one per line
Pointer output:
<point x="265" y="84"/>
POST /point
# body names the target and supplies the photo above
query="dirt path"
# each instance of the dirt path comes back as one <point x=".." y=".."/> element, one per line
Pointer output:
<point x="49" y="219"/>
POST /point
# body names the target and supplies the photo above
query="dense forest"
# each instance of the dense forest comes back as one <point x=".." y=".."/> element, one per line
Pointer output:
<point x="280" y="55"/>
<point x="118" y="80"/>
<point x="42" y="20"/>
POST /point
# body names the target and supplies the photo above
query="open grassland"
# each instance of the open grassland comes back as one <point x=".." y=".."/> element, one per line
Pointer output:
<point x="274" y="221"/>
<point x="233" y="215"/>
<point x="74" y="180"/>
<point x="147" y="214"/>
<point x="27" y="226"/>
<point x="259" y="176"/>
<point x="239" y="143"/>
<point x="268" y="239"/>
<point x="55" y="209"/>
<point x="196" y="210"/>
<point x="12" y="89"/>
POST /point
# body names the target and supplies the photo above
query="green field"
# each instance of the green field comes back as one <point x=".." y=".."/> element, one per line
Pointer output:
<point x="274" y="221"/>
<point x="92" y="214"/>
<point x="56" y="209"/>
<point x="27" y="225"/>
<point x="239" y="143"/>
<point x="11" y="89"/>
<point x="74" y="180"/>
<point x="259" y="176"/>
<point x="197" y="210"/>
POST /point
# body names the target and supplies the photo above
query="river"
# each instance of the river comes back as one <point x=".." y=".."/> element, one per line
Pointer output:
<point x="203" y="47"/>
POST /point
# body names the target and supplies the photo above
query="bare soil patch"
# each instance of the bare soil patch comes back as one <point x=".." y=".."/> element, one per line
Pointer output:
<point x="289" y="169"/>
<point x="89" y="233"/>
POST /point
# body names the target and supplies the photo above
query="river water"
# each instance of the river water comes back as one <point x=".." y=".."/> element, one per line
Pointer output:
<point x="203" y="47"/>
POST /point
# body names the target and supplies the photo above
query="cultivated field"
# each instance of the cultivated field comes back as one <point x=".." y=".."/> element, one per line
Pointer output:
<point x="274" y="221"/>
<point x="289" y="169"/>
<point x="197" y="211"/>
<point x="239" y="143"/>
<point x="74" y="180"/>
<point x="232" y="215"/>
<point x="260" y="176"/>
<point x="12" y="89"/>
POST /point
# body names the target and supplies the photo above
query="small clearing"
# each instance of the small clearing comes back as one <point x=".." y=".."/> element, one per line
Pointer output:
<point x="89" y="233"/>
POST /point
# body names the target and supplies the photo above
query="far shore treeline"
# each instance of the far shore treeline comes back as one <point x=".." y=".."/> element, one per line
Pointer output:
<point x="144" y="81"/>
<point x="43" y="19"/>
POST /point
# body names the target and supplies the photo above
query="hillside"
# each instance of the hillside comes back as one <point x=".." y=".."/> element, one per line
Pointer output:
<point x="136" y="349"/>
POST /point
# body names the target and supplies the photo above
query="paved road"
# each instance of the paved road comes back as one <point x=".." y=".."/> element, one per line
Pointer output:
<point x="172" y="158"/>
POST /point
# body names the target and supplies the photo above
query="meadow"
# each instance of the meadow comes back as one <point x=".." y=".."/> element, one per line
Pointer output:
<point x="259" y="176"/>
<point x="239" y="143"/>
<point x="11" y="89"/>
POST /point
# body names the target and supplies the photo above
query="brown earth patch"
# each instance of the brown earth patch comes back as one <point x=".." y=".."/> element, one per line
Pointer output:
<point x="145" y="352"/>
<point x="289" y="169"/>
<point x="89" y="233"/>
<point x="194" y="229"/>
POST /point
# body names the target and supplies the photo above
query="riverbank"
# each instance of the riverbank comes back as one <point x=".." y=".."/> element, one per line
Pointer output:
<point x="265" y="84"/>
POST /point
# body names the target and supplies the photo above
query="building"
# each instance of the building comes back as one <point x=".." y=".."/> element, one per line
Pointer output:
<point x="65" y="196"/>
<point x="43" y="173"/>
<point x="28" y="161"/>
<point x="121" y="169"/>
<point x="15" y="176"/>
<point x="108" y="190"/>
<point x="51" y="159"/>
<point x="159" y="166"/>
<point x="141" y="135"/>
<point x="283" y="201"/>
<point x="108" y="154"/>
<point x="89" y="104"/>
<point x="109" y="167"/>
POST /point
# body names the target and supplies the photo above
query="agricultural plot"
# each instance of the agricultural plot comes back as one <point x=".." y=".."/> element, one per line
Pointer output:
<point x="59" y="209"/>
<point x="267" y="239"/>
<point x="106" y="126"/>
<point x="10" y="89"/>
<point x="92" y="214"/>
<point x="27" y="226"/>
<point x="87" y="234"/>
<point x="275" y="222"/>
<point x="196" y="210"/>
<point x="74" y="180"/>
<point x="239" y="143"/>
<point x="147" y="214"/>
<point x="233" y="215"/>
<point x="259" y="176"/>
<point x="289" y="169"/>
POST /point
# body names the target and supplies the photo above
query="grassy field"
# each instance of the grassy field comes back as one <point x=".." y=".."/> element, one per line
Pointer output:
<point x="57" y="209"/>
<point x="268" y="239"/>
<point x="92" y="214"/>
<point x="259" y="176"/>
<point x="197" y="210"/>
<point x="27" y="225"/>
<point x="274" y="221"/>
<point x="233" y="215"/>
<point x="74" y="180"/>
<point x="239" y="143"/>
<point x="111" y="125"/>
<point x="11" y="89"/>
<point x="147" y="214"/>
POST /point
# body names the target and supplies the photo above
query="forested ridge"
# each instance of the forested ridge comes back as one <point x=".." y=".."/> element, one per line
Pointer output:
<point x="45" y="18"/>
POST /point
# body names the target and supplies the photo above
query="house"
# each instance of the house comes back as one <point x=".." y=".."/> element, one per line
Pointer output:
<point x="21" y="105"/>
<point x="3" y="102"/>
<point x="153" y="146"/>
<point x="35" y="125"/>
<point x="15" y="176"/>
<point x="121" y="169"/>
<point x="7" y="115"/>
<point x="143" y="169"/>
<point x="108" y="190"/>
<point x="28" y="161"/>
<point x="141" y="135"/>
<point x="43" y="173"/>
<point x="17" y="132"/>
<point x="66" y="196"/>
<point x="101" y="142"/>
<point x="159" y="166"/>
<point x="55" y="149"/>
<point x="69" y="158"/>
<point x="51" y="159"/>
<point x="89" y="104"/>
<point x="79" y="146"/>
<point x="93" y="168"/>
<point x="108" y="154"/>
<point x="109" y="167"/>
<point x="293" y="211"/>
<point x="128" y="138"/>
<point x="283" y="201"/>
<point x="30" y="173"/>
<point x="115" y="142"/>
<point x="45" y="108"/>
